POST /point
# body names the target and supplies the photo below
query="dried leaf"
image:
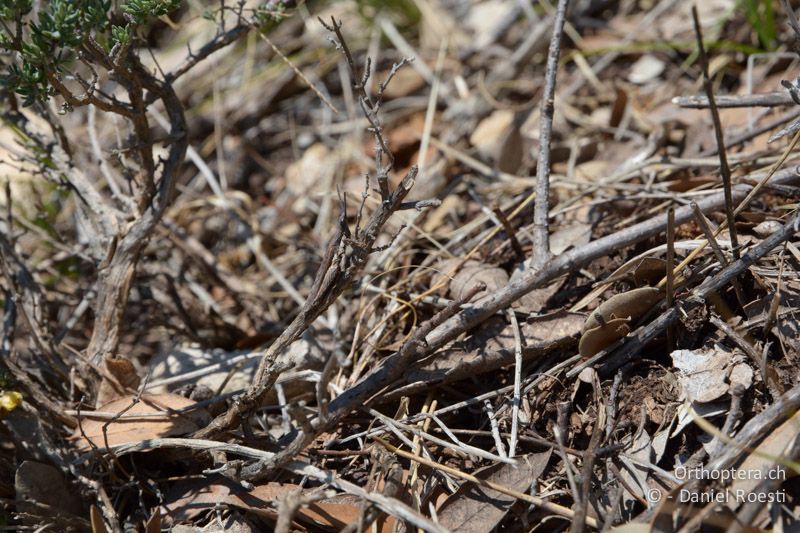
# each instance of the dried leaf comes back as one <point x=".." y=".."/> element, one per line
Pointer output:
<point x="708" y="374"/>
<point x="477" y="508"/>
<point x="124" y="377"/>
<point x="38" y="484"/>
<point x="307" y="352"/>
<point x="535" y="300"/>
<point x="498" y="139"/>
<point x="767" y="228"/>
<point x="647" y="68"/>
<point x="572" y="236"/>
<point x="483" y="19"/>
<point x="624" y="272"/>
<point x="611" y="320"/>
<point x="618" y="109"/>
<point x="405" y="82"/>
<point x="98" y="526"/>
<point x="334" y="513"/>
<point x="187" y="358"/>
<point x="312" y="172"/>
<point x="596" y="339"/>
<point x="154" y="524"/>
<point x="473" y="273"/>
<point x="649" y="271"/>
<point x="187" y="499"/>
<point x="785" y="327"/>
<point x="636" y="476"/>
<point x="687" y="183"/>
<point x="122" y="431"/>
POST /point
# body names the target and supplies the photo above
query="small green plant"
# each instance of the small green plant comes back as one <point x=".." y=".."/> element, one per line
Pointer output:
<point x="761" y="16"/>
<point x="76" y="40"/>
<point x="48" y="43"/>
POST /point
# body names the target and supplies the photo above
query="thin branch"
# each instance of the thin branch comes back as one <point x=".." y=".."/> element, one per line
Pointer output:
<point x="539" y="502"/>
<point x="776" y="99"/>
<point x="360" y="394"/>
<point x="218" y="42"/>
<point x="578" y="258"/>
<point x="670" y="287"/>
<point x="705" y="226"/>
<point x="724" y="169"/>
<point x="512" y="446"/>
<point x="541" y="225"/>
<point x="299" y="73"/>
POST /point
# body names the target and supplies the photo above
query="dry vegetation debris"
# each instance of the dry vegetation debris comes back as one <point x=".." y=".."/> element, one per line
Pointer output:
<point x="376" y="265"/>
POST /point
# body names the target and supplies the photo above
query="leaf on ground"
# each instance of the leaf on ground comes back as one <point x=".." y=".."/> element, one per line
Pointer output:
<point x="124" y="377"/>
<point x="785" y="325"/>
<point x="41" y="490"/>
<point x="628" y="271"/>
<point x="478" y="508"/>
<point x="704" y="410"/>
<point x="187" y="499"/>
<point x="646" y="69"/>
<point x="498" y="140"/>
<point x="473" y="273"/>
<point x="138" y="429"/>
<point x="187" y="358"/>
<point x="649" y="271"/>
<point x="154" y="524"/>
<point x="536" y="300"/>
<point x="610" y="322"/>
<point x="685" y="183"/>
<point x="572" y="236"/>
<point x="307" y="352"/>
<point x="635" y="476"/>
<point x="98" y="526"/>
<point x="404" y="83"/>
<point x="705" y="375"/>
<point x="312" y="171"/>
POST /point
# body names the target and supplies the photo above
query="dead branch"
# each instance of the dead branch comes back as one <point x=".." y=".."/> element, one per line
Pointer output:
<point x="775" y="99"/>
<point x="345" y="256"/>
<point x="724" y="169"/>
<point x="541" y="225"/>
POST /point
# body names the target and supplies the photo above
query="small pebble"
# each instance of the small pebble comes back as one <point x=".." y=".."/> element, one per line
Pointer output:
<point x="766" y="228"/>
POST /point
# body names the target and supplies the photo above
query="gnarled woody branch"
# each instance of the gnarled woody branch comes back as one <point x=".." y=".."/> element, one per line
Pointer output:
<point x="114" y="281"/>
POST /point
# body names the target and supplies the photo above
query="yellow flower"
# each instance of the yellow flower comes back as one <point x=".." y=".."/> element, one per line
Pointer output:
<point x="9" y="401"/>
